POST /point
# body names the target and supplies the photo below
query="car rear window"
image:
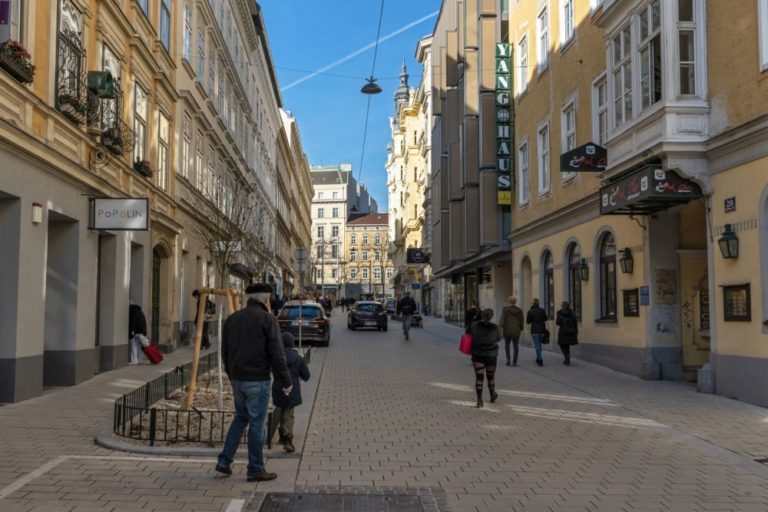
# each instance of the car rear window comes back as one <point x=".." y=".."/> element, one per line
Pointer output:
<point x="293" y="312"/>
<point x="369" y="308"/>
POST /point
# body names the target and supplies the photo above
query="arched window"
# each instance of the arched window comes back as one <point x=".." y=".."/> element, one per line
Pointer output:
<point x="573" y="279"/>
<point x="548" y="284"/>
<point x="607" y="278"/>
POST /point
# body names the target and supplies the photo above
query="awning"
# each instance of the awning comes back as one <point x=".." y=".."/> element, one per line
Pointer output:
<point x="646" y="191"/>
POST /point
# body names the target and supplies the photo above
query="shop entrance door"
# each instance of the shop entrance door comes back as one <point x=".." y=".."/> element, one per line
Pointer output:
<point x="156" y="261"/>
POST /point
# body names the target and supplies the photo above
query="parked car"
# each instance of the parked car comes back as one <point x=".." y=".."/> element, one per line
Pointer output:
<point x="367" y="314"/>
<point x="390" y="305"/>
<point x="315" y="326"/>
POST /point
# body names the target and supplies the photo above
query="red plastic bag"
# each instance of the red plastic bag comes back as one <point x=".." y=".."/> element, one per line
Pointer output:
<point x="465" y="345"/>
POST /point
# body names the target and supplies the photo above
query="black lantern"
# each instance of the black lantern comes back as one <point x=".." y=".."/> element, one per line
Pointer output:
<point x="584" y="270"/>
<point x="626" y="261"/>
<point x="371" y="87"/>
<point x="729" y="243"/>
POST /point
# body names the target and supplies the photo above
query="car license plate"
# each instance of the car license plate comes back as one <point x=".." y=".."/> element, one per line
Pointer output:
<point x="370" y="324"/>
<point x="300" y="322"/>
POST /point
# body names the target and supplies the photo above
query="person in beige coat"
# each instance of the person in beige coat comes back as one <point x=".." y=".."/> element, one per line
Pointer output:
<point x="511" y="323"/>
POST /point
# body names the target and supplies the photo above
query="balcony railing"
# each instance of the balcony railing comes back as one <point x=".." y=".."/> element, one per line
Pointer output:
<point x="72" y="98"/>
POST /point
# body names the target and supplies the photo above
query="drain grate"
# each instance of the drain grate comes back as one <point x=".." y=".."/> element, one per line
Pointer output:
<point x="305" y="502"/>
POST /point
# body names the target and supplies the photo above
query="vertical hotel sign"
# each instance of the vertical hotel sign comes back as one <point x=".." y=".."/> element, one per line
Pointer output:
<point x="503" y="123"/>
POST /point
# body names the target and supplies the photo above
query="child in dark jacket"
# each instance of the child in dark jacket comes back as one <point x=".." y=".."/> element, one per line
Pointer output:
<point x="285" y="404"/>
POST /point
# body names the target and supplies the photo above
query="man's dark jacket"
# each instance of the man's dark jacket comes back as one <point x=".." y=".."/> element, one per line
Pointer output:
<point x="537" y="318"/>
<point x="252" y="347"/>
<point x="407" y="306"/>
<point x="137" y="323"/>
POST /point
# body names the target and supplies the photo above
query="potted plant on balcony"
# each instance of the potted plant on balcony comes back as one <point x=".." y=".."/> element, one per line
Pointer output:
<point x="17" y="61"/>
<point x="143" y="168"/>
<point x="72" y="106"/>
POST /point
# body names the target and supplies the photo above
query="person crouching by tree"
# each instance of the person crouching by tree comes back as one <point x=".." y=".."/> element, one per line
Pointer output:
<point x="485" y="350"/>
<point x="285" y="404"/>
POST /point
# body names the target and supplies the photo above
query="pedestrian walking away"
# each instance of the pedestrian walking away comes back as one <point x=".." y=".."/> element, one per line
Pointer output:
<point x="568" y="334"/>
<point x="406" y="307"/>
<point x="471" y="316"/>
<point x="137" y="328"/>
<point x="209" y="312"/>
<point x="285" y="404"/>
<point x="511" y="324"/>
<point x="537" y="319"/>
<point x="485" y="349"/>
<point x="251" y="350"/>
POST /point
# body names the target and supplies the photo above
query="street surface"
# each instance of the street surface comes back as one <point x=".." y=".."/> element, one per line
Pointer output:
<point x="396" y="416"/>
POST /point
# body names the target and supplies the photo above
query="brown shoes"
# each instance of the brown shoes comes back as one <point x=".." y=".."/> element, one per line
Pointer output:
<point x="264" y="476"/>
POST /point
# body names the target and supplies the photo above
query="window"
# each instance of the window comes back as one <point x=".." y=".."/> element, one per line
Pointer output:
<point x="143" y="5"/>
<point x="523" y="185"/>
<point x="542" y="32"/>
<point x="320" y="273"/>
<point x="687" y="37"/>
<point x="334" y="195"/>
<point x="353" y="255"/>
<point x="365" y="273"/>
<point x="335" y="213"/>
<point x="522" y="65"/>
<point x="377" y="256"/>
<point x="600" y="112"/>
<point x="622" y="77"/>
<point x="568" y="126"/>
<point x="201" y="58"/>
<point x="335" y="231"/>
<point x="545" y="178"/>
<point x="199" y="159"/>
<point x="165" y="23"/>
<point x="163" y="138"/>
<point x="319" y="251"/>
<point x="548" y="283"/>
<point x="320" y="213"/>
<point x="365" y="238"/>
<point x="320" y="231"/>
<point x="320" y="195"/>
<point x="186" y="144"/>
<point x="377" y="239"/>
<point x="415" y="170"/>
<point x="377" y="273"/>
<point x="353" y="239"/>
<point x="208" y="182"/>
<point x="334" y="251"/>
<point x="573" y="279"/>
<point x="607" y="278"/>
<point x="212" y="76"/>
<point x="762" y="25"/>
<point x="365" y="255"/>
<point x="566" y="21"/>
<point x="353" y="274"/>
<point x="402" y="173"/>
<point x="334" y="273"/>
<point x="650" y="55"/>
<point x="140" y="112"/>
<point x="389" y="272"/>
<point x="187" y="32"/>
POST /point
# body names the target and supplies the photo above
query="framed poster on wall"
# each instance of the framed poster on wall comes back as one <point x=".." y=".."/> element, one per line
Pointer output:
<point x="737" y="305"/>
<point x="631" y="302"/>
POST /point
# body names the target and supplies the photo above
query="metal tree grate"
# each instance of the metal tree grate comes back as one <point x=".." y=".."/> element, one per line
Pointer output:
<point x="300" y="502"/>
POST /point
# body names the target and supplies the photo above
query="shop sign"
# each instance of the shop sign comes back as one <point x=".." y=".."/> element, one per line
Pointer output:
<point x="646" y="191"/>
<point x="587" y="158"/>
<point x="131" y="214"/>
<point x="415" y="286"/>
<point x="414" y="255"/>
<point x="645" y="295"/>
<point x="504" y="158"/>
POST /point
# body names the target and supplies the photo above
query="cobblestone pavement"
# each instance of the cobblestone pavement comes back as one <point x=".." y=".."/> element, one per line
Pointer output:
<point x="391" y="413"/>
<point x="393" y="417"/>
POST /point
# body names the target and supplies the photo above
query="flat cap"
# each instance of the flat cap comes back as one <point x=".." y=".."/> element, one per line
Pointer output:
<point x="258" y="288"/>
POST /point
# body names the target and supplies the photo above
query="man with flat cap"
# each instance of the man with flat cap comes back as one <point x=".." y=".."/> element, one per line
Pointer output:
<point x="251" y="349"/>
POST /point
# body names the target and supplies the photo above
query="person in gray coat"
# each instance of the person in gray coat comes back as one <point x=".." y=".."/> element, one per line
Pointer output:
<point x="485" y="350"/>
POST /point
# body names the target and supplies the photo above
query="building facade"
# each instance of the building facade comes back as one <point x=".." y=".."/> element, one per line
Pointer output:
<point x="338" y="197"/>
<point x="471" y="220"/>
<point x="369" y="270"/>
<point x="630" y="238"/>
<point x="174" y="102"/>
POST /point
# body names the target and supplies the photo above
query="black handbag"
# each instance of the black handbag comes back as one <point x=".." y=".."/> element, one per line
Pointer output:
<point x="545" y="337"/>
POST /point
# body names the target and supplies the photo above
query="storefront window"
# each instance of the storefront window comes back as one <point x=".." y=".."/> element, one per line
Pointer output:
<point x="548" y="284"/>
<point x="608" y="278"/>
<point x="574" y="279"/>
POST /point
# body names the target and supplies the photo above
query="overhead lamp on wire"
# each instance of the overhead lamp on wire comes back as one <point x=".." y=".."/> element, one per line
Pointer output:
<point x="371" y="87"/>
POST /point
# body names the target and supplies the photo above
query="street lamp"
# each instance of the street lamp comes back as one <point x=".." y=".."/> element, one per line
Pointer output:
<point x="626" y="261"/>
<point x="729" y="243"/>
<point x="371" y="87"/>
<point x="584" y="270"/>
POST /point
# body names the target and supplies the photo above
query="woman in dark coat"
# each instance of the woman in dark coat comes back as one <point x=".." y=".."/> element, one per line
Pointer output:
<point x="485" y="350"/>
<point x="285" y="404"/>
<point x="568" y="334"/>
<point x="472" y="315"/>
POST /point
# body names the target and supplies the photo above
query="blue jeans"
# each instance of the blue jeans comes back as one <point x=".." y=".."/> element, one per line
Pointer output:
<point x="537" y="344"/>
<point x="251" y="404"/>
<point x="407" y="323"/>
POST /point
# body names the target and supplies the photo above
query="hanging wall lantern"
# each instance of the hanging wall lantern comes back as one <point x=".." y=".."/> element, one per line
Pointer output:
<point x="584" y="270"/>
<point x="626" y="261"/>
<point x="729" y="243"/>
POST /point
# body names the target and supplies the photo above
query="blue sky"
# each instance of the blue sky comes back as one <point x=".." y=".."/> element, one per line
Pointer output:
<point x="306" y="35"/>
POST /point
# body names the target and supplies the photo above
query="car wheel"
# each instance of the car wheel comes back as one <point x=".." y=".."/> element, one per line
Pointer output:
<point x="384" y="328"/>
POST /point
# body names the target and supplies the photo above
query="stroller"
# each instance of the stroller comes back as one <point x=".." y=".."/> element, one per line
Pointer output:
<point x="417" y="320"/>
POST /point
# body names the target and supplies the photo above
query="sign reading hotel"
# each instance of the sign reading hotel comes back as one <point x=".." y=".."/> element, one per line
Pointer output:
<point x="129" y="214"/>
<point x="503" y="123"/>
